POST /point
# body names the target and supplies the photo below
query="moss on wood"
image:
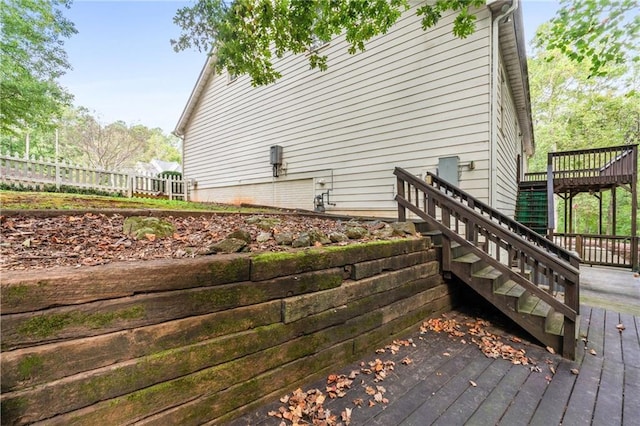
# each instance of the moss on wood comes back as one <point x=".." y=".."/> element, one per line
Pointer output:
<point x="48" y="325"/>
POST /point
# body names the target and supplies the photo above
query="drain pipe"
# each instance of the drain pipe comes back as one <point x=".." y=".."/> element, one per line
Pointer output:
<point x="494" y="82"/>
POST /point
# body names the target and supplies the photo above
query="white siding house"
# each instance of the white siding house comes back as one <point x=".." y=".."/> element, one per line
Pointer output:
<point x="412" y="98"/>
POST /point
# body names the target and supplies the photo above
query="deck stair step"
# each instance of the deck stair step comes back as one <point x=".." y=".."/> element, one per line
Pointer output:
<point x="510" y="288"/>
<point x="554" y="323"/>
<point x="436" y="237"/>
<point x="488" y="273"/>
<point x="475" y="263"/>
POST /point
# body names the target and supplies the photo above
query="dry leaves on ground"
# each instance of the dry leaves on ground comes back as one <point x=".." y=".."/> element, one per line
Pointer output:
<point x="489" y="343"/>
<point x="95" y="239"/>
<point x="307" y="407"/>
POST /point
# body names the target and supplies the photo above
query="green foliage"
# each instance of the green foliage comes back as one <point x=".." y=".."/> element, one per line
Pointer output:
<point x="168" y="174"/>
<point x="65" y="189"/>
<point x="244" y="36"/>
<point x="31" y="59"/>
<point x="603" y="32"/>
<point x="574" y="109"/>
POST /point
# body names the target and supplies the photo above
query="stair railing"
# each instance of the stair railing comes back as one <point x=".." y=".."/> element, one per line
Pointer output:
<point x="498" y="240"/>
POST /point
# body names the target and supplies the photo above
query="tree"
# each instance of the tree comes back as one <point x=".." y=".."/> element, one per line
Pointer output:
<point x="246" y="34"/>
<point x="32" y="58"/>
<point x="604" y="32"/>
<point x="574" y="109"/>
<point x="113" y="146"/>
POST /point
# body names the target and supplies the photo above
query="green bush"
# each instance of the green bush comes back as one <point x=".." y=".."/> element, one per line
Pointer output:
<point x="52" y="188"/>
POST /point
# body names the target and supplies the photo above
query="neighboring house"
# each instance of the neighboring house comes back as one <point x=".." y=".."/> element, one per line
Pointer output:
<point x="423" y="101"/>
<point x="155" y="167"/>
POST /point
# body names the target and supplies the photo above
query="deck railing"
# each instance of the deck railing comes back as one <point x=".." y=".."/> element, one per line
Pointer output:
<point x="541" y="267"/>
<point x="40" y="172"/>
<point x="590" y="166"/>
<point x="595" y="249"/>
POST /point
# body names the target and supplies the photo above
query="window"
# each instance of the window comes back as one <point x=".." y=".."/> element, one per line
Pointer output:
<point x="232" y="78"/>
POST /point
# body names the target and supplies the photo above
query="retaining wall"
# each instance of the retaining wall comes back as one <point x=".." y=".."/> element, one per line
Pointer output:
<point x="202" y="340"/>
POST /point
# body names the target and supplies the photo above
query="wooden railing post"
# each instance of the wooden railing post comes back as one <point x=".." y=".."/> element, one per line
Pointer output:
<point x="402" y="211"/>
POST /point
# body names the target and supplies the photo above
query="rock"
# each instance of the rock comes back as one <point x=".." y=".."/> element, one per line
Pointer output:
<point x="252" y="220"/>
<point x="383" y="230"/>
<point x="403" y="228"/>
<point x="229" y="245"/>
<point x="240" y="234"/>
<point x="284" y="238"/>
<point x="263" y="237"/>
<point x="317" y="236"/>
<point x="337" y="237"/>
<point x="356" y="232"/>
<point x="303" y="240"/>
<point x="267" y="224"/>
<point x="140" y="227"/>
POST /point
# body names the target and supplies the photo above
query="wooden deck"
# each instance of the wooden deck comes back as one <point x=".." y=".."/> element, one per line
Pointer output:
<point x="437" y="387"/>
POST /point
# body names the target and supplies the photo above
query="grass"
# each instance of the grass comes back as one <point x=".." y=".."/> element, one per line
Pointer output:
<point x="14" y="200"/>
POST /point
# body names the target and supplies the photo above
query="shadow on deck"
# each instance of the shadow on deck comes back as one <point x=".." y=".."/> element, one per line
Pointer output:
<point x="450" y="381"/>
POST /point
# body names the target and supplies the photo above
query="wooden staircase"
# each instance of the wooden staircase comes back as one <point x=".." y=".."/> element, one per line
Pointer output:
<point x="530" y="311"/>
<point x="531" y="280"/>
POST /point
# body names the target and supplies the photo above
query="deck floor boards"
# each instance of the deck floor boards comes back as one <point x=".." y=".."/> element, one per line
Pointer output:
<point x="436" y="388"/>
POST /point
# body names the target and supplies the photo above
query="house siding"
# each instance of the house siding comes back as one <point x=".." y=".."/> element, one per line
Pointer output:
<point x="410" y="98"/>
<point x="509" y="141"/>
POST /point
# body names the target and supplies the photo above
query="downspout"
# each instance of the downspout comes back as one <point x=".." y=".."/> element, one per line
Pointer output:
<point x="494" y="82"/>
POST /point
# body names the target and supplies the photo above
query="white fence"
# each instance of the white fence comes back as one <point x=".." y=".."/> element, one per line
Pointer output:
<point x="40" y="172"/>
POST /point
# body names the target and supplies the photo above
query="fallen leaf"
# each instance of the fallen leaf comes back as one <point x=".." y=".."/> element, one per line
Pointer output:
<point x="446" y="354"/>
<point x="592" y="351"/>
<point x="406" y="361"/>
<point x="358" y="402"/>
<point x="551" y="350"/>
<point x="346" y="416"/>
<point x="552" y="369"/>
<point x="620" y="327"/>
<point x="575" y="371"/>
<point x="472" y="383"/>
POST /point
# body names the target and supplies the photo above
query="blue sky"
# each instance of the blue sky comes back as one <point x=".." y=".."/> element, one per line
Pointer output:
<point x="125" y="69"/>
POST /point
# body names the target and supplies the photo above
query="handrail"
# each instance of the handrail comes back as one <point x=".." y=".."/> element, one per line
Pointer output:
<point x="566" y="270"/>
<point x="512" y="225"/>
<point x="545" y="258"/>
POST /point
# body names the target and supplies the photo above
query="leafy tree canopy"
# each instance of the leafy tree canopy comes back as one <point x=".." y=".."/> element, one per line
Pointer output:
<point x="246" y="34"/>
<point x="602" y="32"/>
<point x="31" y="59"/>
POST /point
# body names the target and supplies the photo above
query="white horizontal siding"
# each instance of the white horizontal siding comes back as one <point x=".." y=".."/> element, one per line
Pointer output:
<point x="509" y="146"/>
<point x="411" y="98"/>
<point x="288" y="194"/>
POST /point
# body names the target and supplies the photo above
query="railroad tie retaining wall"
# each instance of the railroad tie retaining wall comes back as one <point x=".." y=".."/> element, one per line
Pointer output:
<point x="204" y="339"/>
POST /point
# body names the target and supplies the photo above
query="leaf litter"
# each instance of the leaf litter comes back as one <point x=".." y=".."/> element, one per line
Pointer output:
<point x="89" y="239"/>
<point x="372" y="373"/>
